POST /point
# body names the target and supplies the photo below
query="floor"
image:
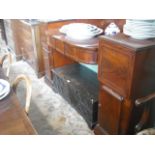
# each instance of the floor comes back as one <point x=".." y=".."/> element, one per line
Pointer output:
<point x="49" y="112"/>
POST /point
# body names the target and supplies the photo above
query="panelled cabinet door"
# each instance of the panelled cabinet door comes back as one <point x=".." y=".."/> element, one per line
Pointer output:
<point x="109" y="110"/>
<point x="115" y="68"/>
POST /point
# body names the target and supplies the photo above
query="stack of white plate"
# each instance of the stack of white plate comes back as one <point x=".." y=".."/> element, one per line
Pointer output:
<point x="4" y="88"/>
<point x="80" y="31"/>
<point x="140" y="29"/>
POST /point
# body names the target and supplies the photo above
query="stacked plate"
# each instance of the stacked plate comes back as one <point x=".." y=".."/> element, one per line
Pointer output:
<point x="140" y="29"/>
<point x="4" y="88"/>
<point x="80" y="31"/>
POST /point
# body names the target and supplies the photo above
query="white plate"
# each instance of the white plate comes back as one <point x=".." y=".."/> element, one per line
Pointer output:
<point x="140" y="29"/>
<point x="4" y="87"/>
<point x="1" y="87"/>
<point x="142" y="36"/>
<point x="82" y="35"/>
<point x="80" y="31"/>
<point x="140" y="22"/>
<point x="138" y="32"/>
<point x="4" y="95"/>
<point x="75" y="26"/>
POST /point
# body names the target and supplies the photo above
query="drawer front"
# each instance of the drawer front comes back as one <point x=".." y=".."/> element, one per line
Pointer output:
<point x="59" y="45"/>
<point x="109" y="111"/>
<point x="86" y="56"/>
<point x="115" y="69"/>
<point x="70" y="51"/>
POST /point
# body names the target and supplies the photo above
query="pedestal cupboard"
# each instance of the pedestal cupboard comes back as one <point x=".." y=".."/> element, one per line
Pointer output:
<point x="126" y="72"/>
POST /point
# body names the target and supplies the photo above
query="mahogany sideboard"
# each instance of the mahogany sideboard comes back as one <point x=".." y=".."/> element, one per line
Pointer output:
<point x="126" y="73"/>
<point x="52" y="29"/>
<point x="59" y="51"/>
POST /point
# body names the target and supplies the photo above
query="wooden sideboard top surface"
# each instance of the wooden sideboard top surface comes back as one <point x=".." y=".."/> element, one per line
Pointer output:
<point x="129" y="42"/>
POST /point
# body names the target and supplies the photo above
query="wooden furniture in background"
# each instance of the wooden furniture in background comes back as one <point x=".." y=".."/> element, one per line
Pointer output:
<point x="10" y="40"/>
<point x="2" y="32"/>
<point x="126" y="72"/>
<point x="28" y="45"/>
<point x="13" y="119"/>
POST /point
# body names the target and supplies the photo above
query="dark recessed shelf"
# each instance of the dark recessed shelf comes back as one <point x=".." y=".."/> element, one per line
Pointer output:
<point x="79" y="86"/>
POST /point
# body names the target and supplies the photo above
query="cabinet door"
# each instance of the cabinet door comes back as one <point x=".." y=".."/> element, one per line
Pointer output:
<point x="109" y="110"/>
<point x="115" y="68"/>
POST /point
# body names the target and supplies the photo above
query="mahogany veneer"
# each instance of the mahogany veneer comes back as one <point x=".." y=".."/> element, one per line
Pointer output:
<point x="85" y="52"/>
<point x="79" y="52"/>
<point x="126" y="72"/>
